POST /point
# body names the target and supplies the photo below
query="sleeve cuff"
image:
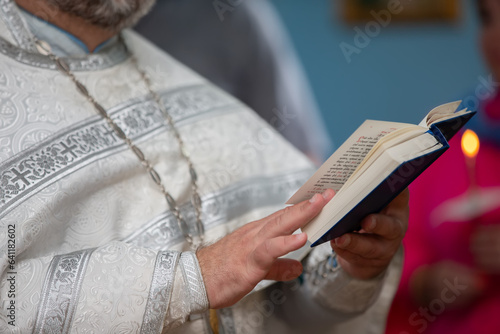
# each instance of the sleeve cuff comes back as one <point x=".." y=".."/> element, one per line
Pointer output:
<point x="198" y="300"/>
<point x="160" y="291"/>
<point x="188" y="296"/>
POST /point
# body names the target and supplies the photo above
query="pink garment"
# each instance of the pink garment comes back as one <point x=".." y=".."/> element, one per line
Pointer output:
<point x="492" y="108"/>
<point x="426" y="242"/>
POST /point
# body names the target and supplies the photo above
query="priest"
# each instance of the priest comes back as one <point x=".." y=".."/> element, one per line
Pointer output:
<point x="136" y="197"/>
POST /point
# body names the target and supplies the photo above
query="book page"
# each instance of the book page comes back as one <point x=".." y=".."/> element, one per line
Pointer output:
<point x="438" y="118"/>
<point x="395" y="138"/>
<point x="441" y="112"/>
<point x="339" y="167"/>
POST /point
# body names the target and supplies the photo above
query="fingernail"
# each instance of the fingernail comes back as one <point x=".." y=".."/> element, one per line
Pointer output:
<point x="373" y="223"/>
<point x="314" y="198"/>
<point x="299" y="235"/>
<point x="343" y="241"/>
<point x="326" y="194"/>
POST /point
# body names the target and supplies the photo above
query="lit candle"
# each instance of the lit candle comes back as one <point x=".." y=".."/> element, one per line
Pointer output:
<point x="470" y="148"/>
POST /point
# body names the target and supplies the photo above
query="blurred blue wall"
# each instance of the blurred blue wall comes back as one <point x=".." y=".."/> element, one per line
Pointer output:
<point x="403" y="73"/>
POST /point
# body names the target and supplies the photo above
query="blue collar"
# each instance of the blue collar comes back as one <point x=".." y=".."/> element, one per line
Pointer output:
<point x="63" y="43"/>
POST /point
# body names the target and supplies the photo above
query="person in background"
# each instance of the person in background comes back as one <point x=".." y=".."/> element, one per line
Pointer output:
<point x="246" y="52"/>
<point x="452" y="260"/>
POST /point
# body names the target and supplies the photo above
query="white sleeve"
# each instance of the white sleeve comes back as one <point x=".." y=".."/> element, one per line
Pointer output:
<point x="332" y="288"/>
<point x="115" y="288"/>
<point x="328" y="297"/>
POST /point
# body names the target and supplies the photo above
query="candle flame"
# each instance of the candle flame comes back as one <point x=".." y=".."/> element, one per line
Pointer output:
<point x="470" y="144"/>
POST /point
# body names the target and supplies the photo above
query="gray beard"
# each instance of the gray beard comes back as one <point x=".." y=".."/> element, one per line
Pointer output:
<point x="113" y="15"/>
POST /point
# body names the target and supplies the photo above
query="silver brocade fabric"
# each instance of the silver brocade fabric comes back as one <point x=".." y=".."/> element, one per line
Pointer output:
<point x="96" y="249"/>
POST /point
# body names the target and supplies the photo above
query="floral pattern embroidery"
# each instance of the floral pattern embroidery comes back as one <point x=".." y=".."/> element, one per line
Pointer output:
<point x="69" y="264"/>
<point x="60" y="298"/>
<point x="60" y="153"/>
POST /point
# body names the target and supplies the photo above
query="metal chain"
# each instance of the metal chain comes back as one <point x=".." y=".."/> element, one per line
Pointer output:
<point x="63" y="67"/>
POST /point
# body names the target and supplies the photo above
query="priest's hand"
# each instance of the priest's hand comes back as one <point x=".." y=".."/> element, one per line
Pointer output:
<point x="366" y="254"/>
<point x="234" y="265"/>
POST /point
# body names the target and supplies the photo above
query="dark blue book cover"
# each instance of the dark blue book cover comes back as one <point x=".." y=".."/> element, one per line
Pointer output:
<point x="398" y="180"/>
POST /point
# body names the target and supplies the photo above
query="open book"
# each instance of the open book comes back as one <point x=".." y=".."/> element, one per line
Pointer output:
<point x="377" y="162"/>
